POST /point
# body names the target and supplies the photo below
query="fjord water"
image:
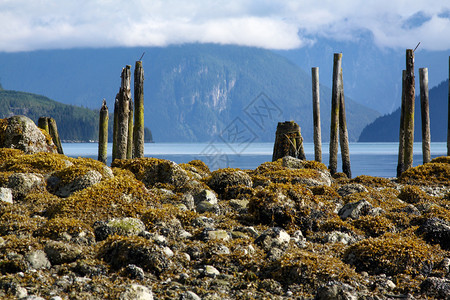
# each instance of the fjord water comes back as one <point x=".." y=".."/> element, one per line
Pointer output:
<point x="374" y="159"/>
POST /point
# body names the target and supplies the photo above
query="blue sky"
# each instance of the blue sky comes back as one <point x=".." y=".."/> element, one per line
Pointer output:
<point x="61" y="24"/>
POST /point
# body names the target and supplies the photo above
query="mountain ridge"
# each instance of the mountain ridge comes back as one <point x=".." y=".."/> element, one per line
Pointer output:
<point x="192" y="92"/>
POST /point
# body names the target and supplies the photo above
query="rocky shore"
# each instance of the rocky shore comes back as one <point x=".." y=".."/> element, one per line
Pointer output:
<point x="152" y="229"/>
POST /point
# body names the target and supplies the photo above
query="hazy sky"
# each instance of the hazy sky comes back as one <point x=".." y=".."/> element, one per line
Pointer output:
<point x="51" y="24"/>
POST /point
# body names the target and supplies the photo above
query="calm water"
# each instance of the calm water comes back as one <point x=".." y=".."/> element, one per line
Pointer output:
<point x="375" y="159"/>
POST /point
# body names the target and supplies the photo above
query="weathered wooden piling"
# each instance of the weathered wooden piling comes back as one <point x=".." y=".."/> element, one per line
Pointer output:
<point x="288" y="141"/>
<point x="103" y="133"/>
<point x="409" y="109"/>
<point x="53" y="131"/>
<point x="115" y="127"/>
<point x="343" y="133"/>
<point x="138" y="132"/>
<point x="316" y="114"/>
<point x="401" y="137"/>
<point x="335" y="94"/>
<point x="425" y="115"/>
<point x="43" y="123"/>
<point x="49" y="125"/>
<point x="123" y="113"/>
<point x="130" y="130"/>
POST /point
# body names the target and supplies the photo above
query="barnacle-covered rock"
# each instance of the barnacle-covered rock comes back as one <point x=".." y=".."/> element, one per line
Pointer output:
<point x="20" y="132"/>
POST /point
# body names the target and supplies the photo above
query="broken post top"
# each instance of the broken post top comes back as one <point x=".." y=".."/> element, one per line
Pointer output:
<point x="410" y="62"/>
<point x="104" y="107"/>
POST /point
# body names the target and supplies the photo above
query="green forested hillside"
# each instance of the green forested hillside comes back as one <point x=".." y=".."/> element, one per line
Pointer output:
<point x="386" y="128"/>
<point x="74" y="123"/>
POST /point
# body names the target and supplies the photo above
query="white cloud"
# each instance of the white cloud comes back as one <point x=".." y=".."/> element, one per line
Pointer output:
<point x="44" y="24"/>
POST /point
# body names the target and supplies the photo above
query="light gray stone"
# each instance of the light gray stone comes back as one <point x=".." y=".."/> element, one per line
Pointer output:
<point x="6" y="195"/>
<point x="136" y="292"/>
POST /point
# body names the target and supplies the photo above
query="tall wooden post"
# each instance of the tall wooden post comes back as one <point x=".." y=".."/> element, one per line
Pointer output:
<point x="448" y="115"/>
<point x="288" y="141"/>
<point x="103" y="133"/>
<point x="409" y="109"/>
<point x="335" y="94"/>
<point x="425" y="114"/>
<point x="130" y="130"/>
<point x="124" y="106"/>
<point x="343" y="133"/>
<point x="138" y="132"/>
<point x="115" y="127"/>
<point x="316" y="114"/>
<point x="401" y="137"/>
<point x="53" y="131"/>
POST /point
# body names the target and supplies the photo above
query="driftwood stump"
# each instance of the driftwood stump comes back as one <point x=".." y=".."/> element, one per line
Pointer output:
<point x="288" y="141"/>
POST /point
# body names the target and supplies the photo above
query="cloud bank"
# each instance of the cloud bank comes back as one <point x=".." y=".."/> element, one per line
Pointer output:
<point x="48" y="24"/>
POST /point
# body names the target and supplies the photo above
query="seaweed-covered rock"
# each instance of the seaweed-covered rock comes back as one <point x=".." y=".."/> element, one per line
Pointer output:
<point x="295" y="163"/>
<point x="125" y="226"/>
<point x="121" y="251"/>
<point x="351" y="188"/>
<point x="223" y="178"/>
<point x="23" y="183"/>
<point x="390" y="254"/>
<point x="436" y="231"/>
<point x="335" y="290"/>
<point x="152" y="171"/>
<point x="62" y="252"/>
<point x="281" y="204"/>
<point x="274" y="237"/>
<point x="432" y="173"/>
<point x="436" y="287"/>
<point x="20" y="132"/>
<point x="357" y="209"/>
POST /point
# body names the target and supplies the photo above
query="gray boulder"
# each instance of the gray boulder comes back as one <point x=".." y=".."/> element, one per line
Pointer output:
<point x="274" y="237"/>
<point x="336" y="291"/>
<point x="23" y="183"/>
<point x="136" y="292"/>
<point x="436" y="287"/>
<point x="357" y="209"/>
<point x="436" y="231"/>
<point x="22" y="133"/>
<point x="351" y="188"/>
<point x="61" y="252"/>
<point x="38" y="260"/>
<point x="81" y="182"/>
<point x="6" y="195"/>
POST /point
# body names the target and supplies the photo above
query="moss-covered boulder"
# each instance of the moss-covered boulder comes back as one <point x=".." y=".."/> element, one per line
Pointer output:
<point x="20" y="132"/>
